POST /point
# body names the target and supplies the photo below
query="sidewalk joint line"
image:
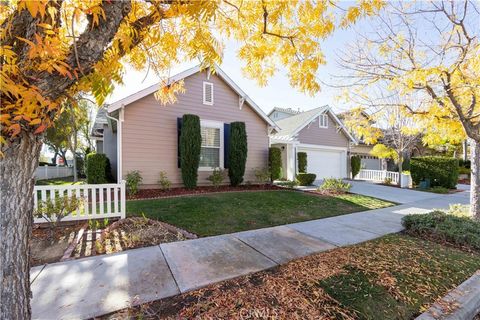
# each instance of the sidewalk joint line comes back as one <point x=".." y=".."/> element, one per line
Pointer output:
<point x="41" y="270"/>
<point x="255" y="249"/>
<point x="169" y="269"/>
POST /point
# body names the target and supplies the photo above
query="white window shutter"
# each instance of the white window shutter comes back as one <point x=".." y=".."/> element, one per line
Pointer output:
<point x="208" y="93"/>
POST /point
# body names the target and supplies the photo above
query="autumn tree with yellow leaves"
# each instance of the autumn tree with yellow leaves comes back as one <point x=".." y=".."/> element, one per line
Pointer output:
<point x="53" y="50"/>
<point x="427" y="56"/>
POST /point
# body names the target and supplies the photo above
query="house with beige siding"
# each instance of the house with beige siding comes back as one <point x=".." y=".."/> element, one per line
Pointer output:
<point x="139" y="133"/>
<point x="317" y="132"/>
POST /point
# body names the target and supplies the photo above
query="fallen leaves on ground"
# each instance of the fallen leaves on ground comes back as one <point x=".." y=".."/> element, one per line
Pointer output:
<point x="414" y="272"/>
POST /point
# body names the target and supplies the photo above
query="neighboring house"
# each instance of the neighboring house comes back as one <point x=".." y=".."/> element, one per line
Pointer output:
<point x="143" y="134"/>
<point x="362" y="149"/>
<point x="320" y="134"/>
<point x="281" y="113"/>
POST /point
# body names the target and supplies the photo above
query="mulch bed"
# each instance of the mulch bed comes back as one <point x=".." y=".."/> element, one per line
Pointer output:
<point x="95" y="238"/>
<point x="176" y="192"/>
<point x="464" y="181"/>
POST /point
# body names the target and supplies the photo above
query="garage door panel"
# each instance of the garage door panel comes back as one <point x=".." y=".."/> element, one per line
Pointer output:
<point x="326" y="163"/>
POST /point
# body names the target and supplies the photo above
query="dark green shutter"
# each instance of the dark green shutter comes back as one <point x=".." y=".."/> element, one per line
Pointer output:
<point x="179" y="131"/>
<point x="226" y="144"/>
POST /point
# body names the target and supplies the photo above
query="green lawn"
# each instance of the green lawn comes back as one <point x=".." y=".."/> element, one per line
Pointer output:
<point x="215" y="214"/>
<point x="58" y="181"/>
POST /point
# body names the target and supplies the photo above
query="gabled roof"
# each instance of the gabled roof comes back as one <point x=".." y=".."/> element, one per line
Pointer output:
<point x="292" y="125"/>
<point x="284" y="110"/>
<point x="182" y="75"/>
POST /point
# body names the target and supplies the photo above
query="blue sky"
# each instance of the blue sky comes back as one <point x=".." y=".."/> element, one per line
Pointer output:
<point x="278" y="92"/>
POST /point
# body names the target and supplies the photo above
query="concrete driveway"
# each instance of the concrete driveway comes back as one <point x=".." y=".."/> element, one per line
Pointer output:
<point x="392" y="193"/>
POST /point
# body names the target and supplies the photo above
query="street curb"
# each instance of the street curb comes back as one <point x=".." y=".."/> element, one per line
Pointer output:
<point x="463" y="302"/>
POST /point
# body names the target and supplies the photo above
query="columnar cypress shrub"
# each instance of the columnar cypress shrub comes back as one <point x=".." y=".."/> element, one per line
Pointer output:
<point x="355" y="164"/>
<point x="302" y="162"/>
<point x="237" y="154"/>
<point x="190" y="147"/>
<point x="96" y="168"/>
<point x="441" y="171"/>
<point x="275" y="162"/>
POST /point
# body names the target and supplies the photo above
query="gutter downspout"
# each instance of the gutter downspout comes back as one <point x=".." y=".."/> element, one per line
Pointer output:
<point x="119" y="142"/>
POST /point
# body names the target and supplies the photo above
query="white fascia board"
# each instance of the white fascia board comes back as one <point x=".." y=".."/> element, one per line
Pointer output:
<point x="324" y="108"/>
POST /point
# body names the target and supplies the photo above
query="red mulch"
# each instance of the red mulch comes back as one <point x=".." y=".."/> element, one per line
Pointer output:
<point x="464" y="181"/>
<point x="174" y="192"/>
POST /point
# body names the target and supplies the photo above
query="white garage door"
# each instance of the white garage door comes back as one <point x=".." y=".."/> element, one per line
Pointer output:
<point x="326" y="163"/>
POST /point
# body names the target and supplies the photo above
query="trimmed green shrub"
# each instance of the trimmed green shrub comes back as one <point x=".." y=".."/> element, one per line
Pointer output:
<point x="287" y="184"/>
<point x="133" y="179"/>
<point x="441" y="171"/>
<point x="190" y="147"/>
<point x="333" y="185"/>
<point x="275" y="163"/>
<point x="108" y="172"/>
<point x="306" y="179"/>
<point x="302" y="162"/>
<point x="96" y="168"/>
<point x="237" y="153"/>
<point x="355" y="164"/>
<point x="217" y="177"/>
<point x="442" y="227"/>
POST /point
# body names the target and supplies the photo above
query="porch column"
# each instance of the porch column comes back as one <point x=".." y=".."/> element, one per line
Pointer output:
<point x="291" y="161"/>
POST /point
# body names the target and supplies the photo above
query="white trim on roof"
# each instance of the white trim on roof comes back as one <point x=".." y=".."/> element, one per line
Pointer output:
<point x="182" y="75"/>
<point x="324" y="109"/>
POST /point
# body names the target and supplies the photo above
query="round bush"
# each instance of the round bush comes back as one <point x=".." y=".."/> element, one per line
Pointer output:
<point x="306" y="179"/>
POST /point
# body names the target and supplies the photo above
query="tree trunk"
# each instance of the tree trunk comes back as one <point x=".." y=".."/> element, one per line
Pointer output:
<point x="17" y="169"/>
<point x="464" y="150"/>
<point x="475" y="179"/>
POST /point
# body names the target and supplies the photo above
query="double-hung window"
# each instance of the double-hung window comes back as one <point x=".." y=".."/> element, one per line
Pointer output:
<point x="323" y="121"/>
<point x="211" y="154"/>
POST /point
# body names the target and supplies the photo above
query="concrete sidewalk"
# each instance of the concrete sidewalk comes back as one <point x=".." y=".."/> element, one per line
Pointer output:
<point x="90" y="287"/>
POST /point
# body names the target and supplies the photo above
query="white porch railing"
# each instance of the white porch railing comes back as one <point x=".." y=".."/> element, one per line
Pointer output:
<point x="97" y="201"/>
<point x="377" y="175"/>
<point x="50" y="172"/>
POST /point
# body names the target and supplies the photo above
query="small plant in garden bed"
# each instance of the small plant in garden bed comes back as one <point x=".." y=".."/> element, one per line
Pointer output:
<point x="262" y="175"/>
<point x="334" y="186"/>
<point x="163" y="181"/>
<point x="217" y="177"/>
<point x="134" y="178"/>
<point x="53" y="211"/>
<point x="445" y="228"/>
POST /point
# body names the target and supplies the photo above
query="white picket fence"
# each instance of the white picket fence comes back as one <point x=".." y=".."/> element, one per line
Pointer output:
<point x="377" y="175"/>
<point x="97" y="201"/>
<point x="51" y="172"/>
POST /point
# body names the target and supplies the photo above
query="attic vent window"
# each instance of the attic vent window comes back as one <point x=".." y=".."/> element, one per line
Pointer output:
<point x="323" y="121"/>
<point x="208" y="93"/>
